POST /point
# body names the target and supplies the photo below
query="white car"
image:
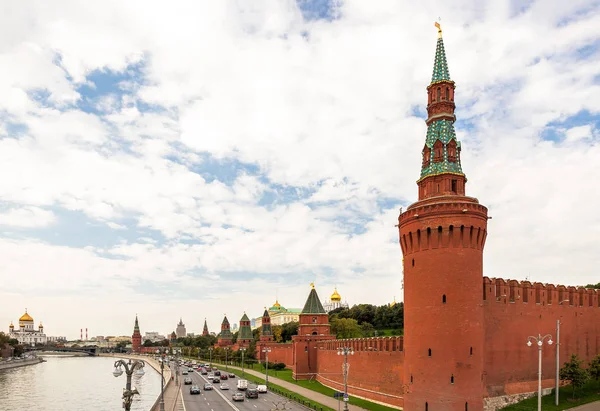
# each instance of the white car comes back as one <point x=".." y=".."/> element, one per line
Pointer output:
<point x="262" y="389"/>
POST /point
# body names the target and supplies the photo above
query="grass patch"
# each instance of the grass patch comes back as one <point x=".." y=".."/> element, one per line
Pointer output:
<point x="584" y="395"/>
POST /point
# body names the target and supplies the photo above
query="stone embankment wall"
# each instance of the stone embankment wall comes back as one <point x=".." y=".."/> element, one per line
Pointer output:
<point x="5" y="365"/>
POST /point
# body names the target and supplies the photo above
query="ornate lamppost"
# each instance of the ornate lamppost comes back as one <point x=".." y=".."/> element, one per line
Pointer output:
<point x="210" y="350"/>
<point x="345" y="351"/>
<point x="539" y="340"/>
<point x="176" y="351"/>
<point x="162" y="379"/>
<point x="266" y="350"/>
<point x="242" y="350"/>
<point x="130" y="367"/>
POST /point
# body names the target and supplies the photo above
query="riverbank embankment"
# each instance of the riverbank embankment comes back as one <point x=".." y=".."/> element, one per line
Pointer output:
<point x="14" y="363"/>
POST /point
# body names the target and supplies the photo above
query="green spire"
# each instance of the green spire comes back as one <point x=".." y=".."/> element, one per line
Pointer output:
<point x="313" y="304"/>
<point x="136" y="327"/>
<point x="266" y="330"/>
<point x="440" y="65"/>
<point x="225" y="333"/>
<point x="245" y="330"/>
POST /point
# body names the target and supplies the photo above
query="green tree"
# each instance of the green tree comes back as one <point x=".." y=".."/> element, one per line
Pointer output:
<point x="277" y="329"/>
<point x="596" y="286"/>
<point x="288" y="330"/>
<point x="574" y="373"/>
<point x="346" y="328"/>
<point x="594" y="368"/>
<point x="367" y="330"/>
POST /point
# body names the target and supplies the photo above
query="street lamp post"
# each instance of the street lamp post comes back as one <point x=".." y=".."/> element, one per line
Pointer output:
<point x="210" y="350"/>
<point x="539" y="340"/>
<point x="226" y="357"/>
<point x="162" y="379"/>
<point x="266" y="350"/>
<point x="176" y="351"/>
<point x="242" y="350"/>
<point x="130" y="367"/>
<point x="345" y="351"/>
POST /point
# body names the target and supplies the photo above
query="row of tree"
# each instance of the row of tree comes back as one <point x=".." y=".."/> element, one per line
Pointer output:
<point x="16" y="348"/>
<point x="574" y="372"/>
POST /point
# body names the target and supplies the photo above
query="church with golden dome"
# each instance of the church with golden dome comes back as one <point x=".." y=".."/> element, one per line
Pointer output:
<point x="335" y="301"/>
<point x="26" y="334"/>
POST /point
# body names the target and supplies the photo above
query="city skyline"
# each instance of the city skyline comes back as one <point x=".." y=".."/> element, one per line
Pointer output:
<point x="191" y="166"/>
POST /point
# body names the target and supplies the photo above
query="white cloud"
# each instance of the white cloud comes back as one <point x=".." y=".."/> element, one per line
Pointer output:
<point x="27" y="217"/>
<point x="325" y="108"/>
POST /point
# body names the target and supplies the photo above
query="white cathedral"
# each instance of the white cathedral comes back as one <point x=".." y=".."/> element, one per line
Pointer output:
<point x="27" y="334"/>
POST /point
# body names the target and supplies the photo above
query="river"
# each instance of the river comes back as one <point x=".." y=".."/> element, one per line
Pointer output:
<point x="74" y="384"/>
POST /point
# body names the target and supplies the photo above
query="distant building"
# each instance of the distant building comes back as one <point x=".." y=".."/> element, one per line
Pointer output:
<point x="136" y="338"/>
<point x="280" y="315"/>
<point x="205" y="329"/>
<point x="335" y="301"/>
<point x="27" y="334"/>
<point x="234" y="327"/>
<point x="180" y="330"/>
<point x="154" y="336"/>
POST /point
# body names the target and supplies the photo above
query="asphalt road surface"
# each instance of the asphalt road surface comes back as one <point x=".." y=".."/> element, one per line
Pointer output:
<point x="220" y="400"/>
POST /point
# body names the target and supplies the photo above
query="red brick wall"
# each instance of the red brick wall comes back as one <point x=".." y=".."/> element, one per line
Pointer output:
<point x="510" y="365"/>
<point x="373" y="374"/>
<point x="279" y="353"/>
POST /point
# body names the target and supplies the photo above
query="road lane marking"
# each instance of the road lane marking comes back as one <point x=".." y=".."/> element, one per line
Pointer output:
<point x="219" y="392"/>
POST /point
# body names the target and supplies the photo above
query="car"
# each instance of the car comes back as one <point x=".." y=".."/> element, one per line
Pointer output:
<point x="251" y="393"/>
<point x="216" y="380"/>
<point x="184" y="372"/>
<point x="187" y="381"/>
<point x="204" y="372"/>
<point x="231" y="375"/>
<point x="224" y="376"/>
<point x="217" y="373"/>
<point x="210" y="376"/>
<point x="194" y="389"/>
<point x="224" y="386"/>
<point x="208" y="387"/>
<point x="237" y="396"/>
<point x="190" y="369"/>
<point x="262" y="389"/>
<point x="242" y="385"/>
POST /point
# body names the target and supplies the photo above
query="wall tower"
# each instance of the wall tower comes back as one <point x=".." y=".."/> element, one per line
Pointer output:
<point x="225" y="338"/>
<point x="312" y="328"/>
<point x="266" y="332"/>
<point x="442" y="237"/>
<point x="245" y="336"/>
<point x="136" y="338"/>
<point x="205" y="329"/>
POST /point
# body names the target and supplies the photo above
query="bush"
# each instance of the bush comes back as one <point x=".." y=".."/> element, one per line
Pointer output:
<point x="278" y="366"/>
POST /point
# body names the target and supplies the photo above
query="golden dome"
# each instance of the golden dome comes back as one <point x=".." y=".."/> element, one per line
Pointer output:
<point x="393" y="303"/>
<point x="277" y="304"/>
<point x="336" y="297"/>
<point x="11" y="325"/>
<point x="25" y="317"/>
<point x="41" y="326"/>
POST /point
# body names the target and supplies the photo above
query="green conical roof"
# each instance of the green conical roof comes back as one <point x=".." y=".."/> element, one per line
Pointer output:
<point x="245" y="332"/>
<point x="313" y="304"/>
<point x="136" y="327"/>
<point x="440" y="65"/>
<point x="266" y="313"/>
<point x="225" y="321"/>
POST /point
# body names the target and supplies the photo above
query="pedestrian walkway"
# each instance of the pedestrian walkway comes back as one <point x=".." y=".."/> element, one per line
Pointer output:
<point x="305" y="392"/>
<point x="592" y="406"/>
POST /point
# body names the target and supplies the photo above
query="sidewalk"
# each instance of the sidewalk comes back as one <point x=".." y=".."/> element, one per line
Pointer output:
<point x="592" y="406"/>
<point x="305" y="392"/>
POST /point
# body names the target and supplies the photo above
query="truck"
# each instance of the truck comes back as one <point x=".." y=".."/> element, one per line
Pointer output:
<point x="242" y="385"/>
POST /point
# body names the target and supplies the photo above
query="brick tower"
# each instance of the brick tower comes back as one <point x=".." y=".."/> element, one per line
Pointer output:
<point x="442" y="238"/>
<point x="225" y="338"/>
<point x="205" y="329"/>
<point x="312" y="328"/>
<point x="266" y="332"/>
<point x="136" y="338"/>
<point x="245" y="334"/>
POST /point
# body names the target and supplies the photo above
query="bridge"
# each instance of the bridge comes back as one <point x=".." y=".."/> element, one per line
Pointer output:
<point x="91" y="351"/>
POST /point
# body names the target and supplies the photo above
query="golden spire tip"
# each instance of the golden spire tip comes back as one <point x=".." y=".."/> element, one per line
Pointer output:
<point x="439" y="29"/>
<point x="312" y="285"/>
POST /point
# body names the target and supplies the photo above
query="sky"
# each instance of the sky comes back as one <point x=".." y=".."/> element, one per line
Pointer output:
<point x="199" y="158"/>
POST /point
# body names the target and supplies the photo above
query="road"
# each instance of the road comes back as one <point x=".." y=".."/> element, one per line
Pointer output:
<point x="220" y="400"/>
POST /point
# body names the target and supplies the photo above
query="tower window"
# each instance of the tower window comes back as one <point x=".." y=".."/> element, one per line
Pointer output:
<point x="426" y="406"/>
<point x="466" y="406"/>
<point x="444" y="299"/>
<point x="447" y="93"/>
<point x="314" y="320"/>
<point x="471" y="351"/>
<point x="439" y="93"/>
<point x="452" y="379"/>
<point x="413" y="262"/>
<point x="429" y="352"/>
<point x="411" y="379"/>
<point x="454" y="185"/>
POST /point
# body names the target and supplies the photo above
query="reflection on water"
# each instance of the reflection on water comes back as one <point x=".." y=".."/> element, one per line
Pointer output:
<point x="73" y="384"/>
